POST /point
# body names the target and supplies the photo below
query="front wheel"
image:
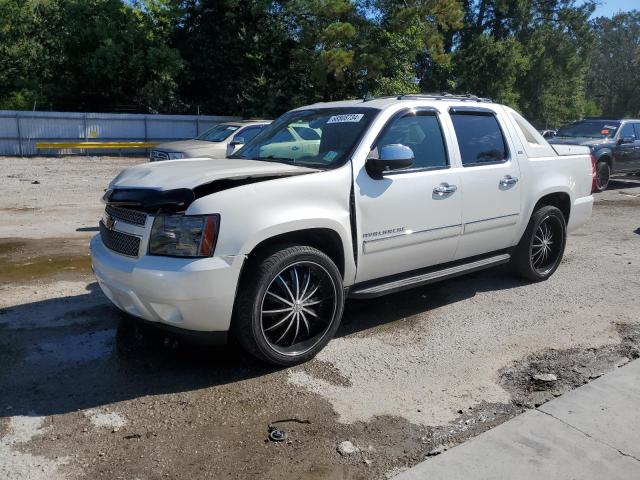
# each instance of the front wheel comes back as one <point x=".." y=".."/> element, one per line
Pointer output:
<point x="603" y="174"/>
<point x="541" y="247"/>
<point x="289" y="305"/>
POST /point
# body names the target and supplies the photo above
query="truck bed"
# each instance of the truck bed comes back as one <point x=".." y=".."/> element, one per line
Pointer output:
<point x="564" y="150"/>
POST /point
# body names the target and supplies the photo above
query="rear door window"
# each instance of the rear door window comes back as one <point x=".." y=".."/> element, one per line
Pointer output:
<point x="480" y="137"/>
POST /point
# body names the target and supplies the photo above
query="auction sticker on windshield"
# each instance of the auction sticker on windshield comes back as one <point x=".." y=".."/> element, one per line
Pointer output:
<point x="348" y="117"/>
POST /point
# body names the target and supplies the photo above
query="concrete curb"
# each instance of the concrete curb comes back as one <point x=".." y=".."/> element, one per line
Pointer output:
<point x="592" y="432"/>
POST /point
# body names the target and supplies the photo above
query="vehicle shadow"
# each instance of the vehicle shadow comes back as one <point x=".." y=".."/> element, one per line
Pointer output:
<point x="363" y="315"/>
<point x="65" y="354"/>
<point x="619" y="182"/>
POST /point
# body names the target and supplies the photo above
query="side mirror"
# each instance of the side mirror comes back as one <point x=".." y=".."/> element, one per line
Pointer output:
<point x="626" y="140"/>
<point x="549" y="134"/>
<point x="237" y="141"/>
<point x="392" y="157"/>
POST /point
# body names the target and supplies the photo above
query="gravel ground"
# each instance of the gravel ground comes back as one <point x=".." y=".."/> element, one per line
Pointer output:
<point x="56" y="197"/>
<point x="86" y="394"/>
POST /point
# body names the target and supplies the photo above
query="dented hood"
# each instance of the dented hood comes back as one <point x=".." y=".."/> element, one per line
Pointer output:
<point x="174" y="174"/>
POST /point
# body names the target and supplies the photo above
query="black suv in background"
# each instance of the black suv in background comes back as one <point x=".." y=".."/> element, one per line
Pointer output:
<point x="614" y="143"/>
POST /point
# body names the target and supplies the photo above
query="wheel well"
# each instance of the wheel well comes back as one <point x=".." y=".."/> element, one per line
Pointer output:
<point x="560" y="200"/>
<point x="324" y="239"/>
<point x="606" y="159"/>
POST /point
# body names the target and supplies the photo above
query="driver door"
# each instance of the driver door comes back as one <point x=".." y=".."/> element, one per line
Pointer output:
<point x="625" y="149"/>
<point x="406" y="222"/>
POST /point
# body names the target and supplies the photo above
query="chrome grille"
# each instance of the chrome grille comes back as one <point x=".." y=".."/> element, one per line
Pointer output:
<point x="119" y="242"/>
<point x="157" y="155"/>
<point x="127" y="215"/>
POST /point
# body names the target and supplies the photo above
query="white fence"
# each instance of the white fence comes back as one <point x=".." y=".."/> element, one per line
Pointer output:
<point x="20" y="130"/>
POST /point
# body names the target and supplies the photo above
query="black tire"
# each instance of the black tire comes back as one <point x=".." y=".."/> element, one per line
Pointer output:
<point x="271" y="308"/>
<point x="541" y="247"/>
<point x="603" y="175"/>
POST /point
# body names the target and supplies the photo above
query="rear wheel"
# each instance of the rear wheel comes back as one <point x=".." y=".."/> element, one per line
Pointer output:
<point x="603" y="174"/>
<point x="289" y="305"/>
<point x="541" y="247"/>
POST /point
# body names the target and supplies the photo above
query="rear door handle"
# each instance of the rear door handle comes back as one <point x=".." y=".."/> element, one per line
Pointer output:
<point x="508" y="180"/>
<point x="444" y="189"/>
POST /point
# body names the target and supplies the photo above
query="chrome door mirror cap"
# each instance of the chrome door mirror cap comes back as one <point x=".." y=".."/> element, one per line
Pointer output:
<point x="396" y="152"/>
<point x="392" y="157"/>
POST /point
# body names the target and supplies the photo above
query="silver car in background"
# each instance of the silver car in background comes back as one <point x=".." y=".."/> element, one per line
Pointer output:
<point x="218" y="142"/>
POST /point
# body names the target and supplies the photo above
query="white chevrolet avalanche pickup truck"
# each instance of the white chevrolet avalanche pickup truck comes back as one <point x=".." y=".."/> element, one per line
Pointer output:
<point x="387" y="194"/>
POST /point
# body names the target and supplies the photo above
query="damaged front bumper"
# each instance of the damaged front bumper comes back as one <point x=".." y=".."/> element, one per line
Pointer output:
<point x="182" y="293"/>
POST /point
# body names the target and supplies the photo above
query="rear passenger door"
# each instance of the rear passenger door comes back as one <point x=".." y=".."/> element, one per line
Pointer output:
<point x="490" y="182"/>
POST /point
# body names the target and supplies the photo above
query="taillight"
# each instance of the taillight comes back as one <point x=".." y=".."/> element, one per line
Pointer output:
<point x="594" y="163"/>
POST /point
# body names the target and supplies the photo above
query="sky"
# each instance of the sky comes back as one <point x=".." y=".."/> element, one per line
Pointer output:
<point x="608" y="8"/>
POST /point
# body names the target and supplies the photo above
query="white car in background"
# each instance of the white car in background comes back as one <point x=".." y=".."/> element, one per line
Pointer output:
<point x="217" y="142"/>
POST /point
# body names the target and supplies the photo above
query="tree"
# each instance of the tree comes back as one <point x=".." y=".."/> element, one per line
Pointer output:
<point x="26" y="45"/>
<point x="531" y="55"/>
<point x="85" y="54"/>
<point x="614" y="72"/>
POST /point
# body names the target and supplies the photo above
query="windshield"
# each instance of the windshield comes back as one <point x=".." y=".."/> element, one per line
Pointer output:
<point x="317" y="138"/>
<point x="590" y="128"/>
<point x="218" y="133"/>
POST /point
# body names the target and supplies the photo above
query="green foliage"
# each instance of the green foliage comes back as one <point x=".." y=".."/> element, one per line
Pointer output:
<point x="263" y="57"/>
<point x="614" y="73"/>
<point x="529" y="55"/>
<point x="492" y="67"/>
<point x="83" y="54"/>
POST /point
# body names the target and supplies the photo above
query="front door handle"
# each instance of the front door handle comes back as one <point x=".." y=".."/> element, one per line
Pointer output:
<point x="295" y="148"/>
<point x="508" y="180"/>
<point x="444" y="189"/>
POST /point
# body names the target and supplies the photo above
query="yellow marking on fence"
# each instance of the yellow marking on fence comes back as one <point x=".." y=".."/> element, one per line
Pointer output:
<point x="92" y="145"/>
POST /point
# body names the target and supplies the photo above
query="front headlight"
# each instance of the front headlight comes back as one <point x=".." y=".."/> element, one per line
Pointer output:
<point x="175" y="155"/>
<point x="184" y="235"/>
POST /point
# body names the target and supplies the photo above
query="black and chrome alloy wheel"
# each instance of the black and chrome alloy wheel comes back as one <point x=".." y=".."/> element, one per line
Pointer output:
<point x="603" y="175"/>
<point x="547" y="245"/>
<point x="541" y="247"/>
<point x="289" y="304"/>
<point x="298" y="308"/>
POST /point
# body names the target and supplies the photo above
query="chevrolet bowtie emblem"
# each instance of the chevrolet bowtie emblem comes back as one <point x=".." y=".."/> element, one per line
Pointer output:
<point x="109" y="222"/>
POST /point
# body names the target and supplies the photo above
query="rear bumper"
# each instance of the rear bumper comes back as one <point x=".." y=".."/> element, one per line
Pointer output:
<point x="185" y="294"/>
<point x="580" y="212"/>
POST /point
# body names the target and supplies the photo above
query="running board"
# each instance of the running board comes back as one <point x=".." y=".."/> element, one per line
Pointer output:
<point x="369" y="291"/>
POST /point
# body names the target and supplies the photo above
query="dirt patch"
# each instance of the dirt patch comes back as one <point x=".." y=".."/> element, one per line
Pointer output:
<point x="326" y="371"/>
<point x="19" y="209"/>
<point x="35" y="268"/>
<point x="216" y="404"/>
<point x="548" y="374"/>
<point x="621" y="200"/>
<point x="21" y="260"/>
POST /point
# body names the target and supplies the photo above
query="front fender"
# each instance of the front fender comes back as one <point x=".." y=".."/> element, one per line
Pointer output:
<point x="251" y="214"/>
<point x="607" y="152"/>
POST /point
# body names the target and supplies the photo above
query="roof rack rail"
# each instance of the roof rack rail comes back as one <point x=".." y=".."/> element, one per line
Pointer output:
<point x="443" y="96"/>
<point x="369" y="98"/>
